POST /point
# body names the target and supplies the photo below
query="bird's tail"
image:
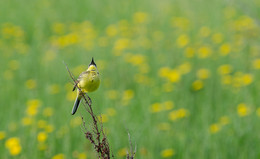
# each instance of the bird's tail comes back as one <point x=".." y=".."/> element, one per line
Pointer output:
<point x="76" y="105"/>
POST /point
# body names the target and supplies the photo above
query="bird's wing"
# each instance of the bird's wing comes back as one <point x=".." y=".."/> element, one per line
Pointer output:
<point x="79" y="78"/>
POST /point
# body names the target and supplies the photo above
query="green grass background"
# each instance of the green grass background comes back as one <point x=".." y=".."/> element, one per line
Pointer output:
<point x="188" y="137"/>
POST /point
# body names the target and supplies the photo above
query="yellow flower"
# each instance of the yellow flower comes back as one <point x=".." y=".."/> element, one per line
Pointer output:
<point x="136" y="59"/>
<point x="14" y="64"/>
<point x="41" y="124"/>
<point x="82" y="155"/>
<point x="42" y="136"/>
<point x="189" y="52"/>
<point x="30" y="84"/>
<point x="13" y="145"/>
<point x="112" y="94"/>
<point x="164" y="72"/>
<point x="197" y="85"/>
<point x="48" y="111"/>
<point x="174" y="76"/>
<point x="49" y="128"/>
<point x="42" y="146"/>
<point x="58" y="28"/>
<point x="140" y="17"/>
<point x="217" y="38"/>
<point x="224" y="120"/>
<point x="258" y="111"/>
<point x="256" y="64"/>
<point x="2" y="135"/>
<point x="214" y="128"/>
<point x="111" y="111"/>
<point x="204" y="52"/>
<point x="122" y="152"/>
<point x="225" y="69"/>
<point x="184" y="68"/>
<point x="27" y="121"/>
<point x="76" y="121"/>
<point x="178" y="114"/>
<point x="243" y="109"/>
<point x="205" y="31"/>
<point x="59" y="156"/>
<point x="167" y="153"/>
<point x="156" y="107"/>
<point x="182" y="41"/>
<point x="111" y="30"/>
<point x="224" y="49"/>
<point x="247" y="79"/>
<point x="168" y="105"/>
<point x="8" y="75"/>
<point x="164" y="126"/>
<point x="203" y="74"/>
<point x="71" y="96"/>
<point x="226" y="79"/>
<point x="122" y="44"/>
<point x="128" y="94"/>
<point x="54" y="89"/>
<point x="103" y="117"/>
<point x="32" y="107"/>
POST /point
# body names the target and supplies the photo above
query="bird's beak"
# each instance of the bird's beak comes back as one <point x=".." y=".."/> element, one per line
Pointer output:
<point x="92" y="62"/>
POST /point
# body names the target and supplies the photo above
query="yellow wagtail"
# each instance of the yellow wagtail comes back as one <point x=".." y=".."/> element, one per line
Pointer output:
<point x="88" y="81"/>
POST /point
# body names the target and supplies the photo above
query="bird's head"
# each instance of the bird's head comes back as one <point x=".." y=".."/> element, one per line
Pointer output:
<point x="92" y="66"/>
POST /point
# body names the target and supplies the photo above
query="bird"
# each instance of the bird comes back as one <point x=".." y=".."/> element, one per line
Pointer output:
<point x="88" y="81"/>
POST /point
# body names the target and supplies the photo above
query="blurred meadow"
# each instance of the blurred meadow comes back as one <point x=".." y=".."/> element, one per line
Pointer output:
<point x="181" y="76"/>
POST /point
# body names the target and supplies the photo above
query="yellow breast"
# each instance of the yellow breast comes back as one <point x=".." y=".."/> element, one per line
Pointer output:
<point x="89" y="82"/>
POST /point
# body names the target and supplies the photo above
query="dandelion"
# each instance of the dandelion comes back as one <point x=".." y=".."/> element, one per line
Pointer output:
<point x="167" y="153"/>
<point x="242" y="110"/>
<point x="42" y="136"/>
<point x="103" y="117"/>
<point x="225" y="69"/>
<point x="112" y="94"/>
<point x="182" y="41"/>
<point x="156" y="107"/>
<point x="82" y="155"/>
<point x="178" y="114"/>
<point x="184" y="68"/>
<point x="174" y="76"/>
<point x="27" y="121"/>
<point x="32" y="107"/>
<point x="54" y="89"/>
<point x="205" y="31"/>
<point x="189" y="52"/>
<point x="168" y="105"/>
<point x="140" y="17"/>
<point x="2" y="135"/>
<point x="41" y="124"/>
<point x="111" y="111"/>
<point x="59" y="156"/>
<point x="58" y="28"/>
<point x="122" y="44"/>
<point x="197" y="85"/>
<point x="258" y="111"/>
<point x="14" y="64"/>
<point x="30" y="84"/>
<point x="224" y="49"/>
<point x="49" y="128"/>
<point x="214" y="128"/>
<point x="217" y="38"/>
<point x="48" y="111"/>
<point x="71" y="96"/>
<point x="13" y="145"/>
<point x="256" y="64"/>
<point x="8" y="75"/>
<point x="111" y="30"/>
<point x="164" y="126"/>
<point x="164" y="71"/>
<point x="226" y="79"/>
<point x="247" y="79"/>
<point x="204" y="52"/>
<point x="122" y="152"/>
<point x="76" y="121"/>
<point x="128" y="94"/>
<point x="203" y="74"/>
<point x="224" y="120"/>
